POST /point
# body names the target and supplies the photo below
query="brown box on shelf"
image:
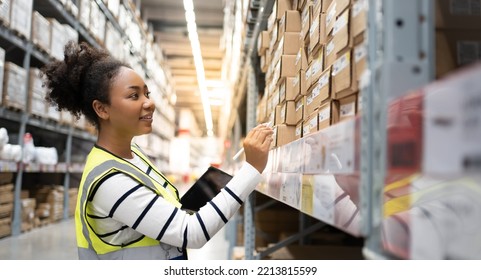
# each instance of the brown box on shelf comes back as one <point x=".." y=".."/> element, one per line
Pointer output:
<point x="329" y="53"/>
<point x="287" y="113"/>
<point x="289" y="89"/>
<point x="285" y="134"/>
<point x="290" y="22"/>
<point x="457" y="14"/>
<point x="41" y="31"/>
<point x="325" y="5"/>
<point x="311" y="124"/>
<point x="360" y="56"/>
<point x="262" y="109"/>
<point x="317" y="32"/>
<point x="281" y="6"/>
<point x="287" y="66"/>
<point x="263" y="42"/>
<point x="456" y="48"/>
<point x="317" y="66"/>
<point x="343" y="81"/>
<point x="341" y="6"/>
<point x="14" y="86"/>
<point x="53" y="113"/>
<point x="348" y="107"/>
<point x="306" y="21"/>
<point x="6" y="210"/>
<point x="319" y="93"/>
<point x="6" y="197"/>
<point x="330" y="19"/>
<point x="328" y="114"/>
<point x="5" y="227"/>
<point x="6" y="187"/>
<point x="289" y="44"/>
<point x="301" y="59"/>
<point x="299" y="127"/>
<point x="341" y="33"/>
<point x="358" y="20"/>
<point x="300" y="107"/>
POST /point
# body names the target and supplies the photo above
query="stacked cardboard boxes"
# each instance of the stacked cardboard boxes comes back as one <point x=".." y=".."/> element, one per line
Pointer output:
<point x="458" y="34"/>
<point x="313" y="53"/>
<point x="6" y="209"/>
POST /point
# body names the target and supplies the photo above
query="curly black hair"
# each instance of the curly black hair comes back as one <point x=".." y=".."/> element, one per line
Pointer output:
<point x="84" y="75"/>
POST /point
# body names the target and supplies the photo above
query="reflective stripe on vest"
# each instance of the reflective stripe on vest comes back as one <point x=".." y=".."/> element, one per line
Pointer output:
<point x="99" y="164"/>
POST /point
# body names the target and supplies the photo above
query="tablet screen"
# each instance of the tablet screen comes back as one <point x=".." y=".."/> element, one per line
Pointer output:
<point x="204" y="189"/>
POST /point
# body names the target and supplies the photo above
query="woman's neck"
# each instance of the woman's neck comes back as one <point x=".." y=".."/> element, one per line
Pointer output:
<point x="119" y="146"/>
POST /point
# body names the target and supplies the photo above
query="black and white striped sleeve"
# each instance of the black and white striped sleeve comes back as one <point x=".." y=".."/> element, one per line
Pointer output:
<point x="136" y="206"/>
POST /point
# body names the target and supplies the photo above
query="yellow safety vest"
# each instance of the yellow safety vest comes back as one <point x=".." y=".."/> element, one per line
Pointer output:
<point x="99" y="164"/>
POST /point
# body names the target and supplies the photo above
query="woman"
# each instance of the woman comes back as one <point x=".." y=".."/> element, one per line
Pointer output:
<point x="126" y="209"/>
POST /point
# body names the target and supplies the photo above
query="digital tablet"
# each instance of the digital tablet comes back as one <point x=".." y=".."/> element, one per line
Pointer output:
<point x="204" y="189"/>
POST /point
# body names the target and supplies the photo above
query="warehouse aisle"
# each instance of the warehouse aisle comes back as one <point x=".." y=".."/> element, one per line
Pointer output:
<point x="57" y="242"/>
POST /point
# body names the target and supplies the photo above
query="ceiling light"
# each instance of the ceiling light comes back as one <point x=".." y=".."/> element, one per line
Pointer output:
<point x="199" y="65"/>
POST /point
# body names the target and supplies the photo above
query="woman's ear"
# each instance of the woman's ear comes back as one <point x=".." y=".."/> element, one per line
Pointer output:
<point x="100" y="109"/>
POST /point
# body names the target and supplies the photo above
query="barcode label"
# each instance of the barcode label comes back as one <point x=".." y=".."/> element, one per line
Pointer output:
<point x="340" y="23"/>
<point x="329" y="48"/>
<point x="324" y="114"/>
<point x="340" y="64"/>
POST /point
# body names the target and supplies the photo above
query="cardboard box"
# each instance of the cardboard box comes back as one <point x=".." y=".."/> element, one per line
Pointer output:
<point x="263" y="42"/>
<point x="5" y="12"/>
<point x="320" y="92"/>
<point x="299" y="129"/>
<point x="340" y="33"/>
<point x="21" y="16"/>
<point x="286" y="113"/>
<point x="317" y="33"/>
<point x="317" y="65"/>
<point x="457" y="14"/>
<point x="289" y="89"/>
<point x="289" y="44"/>
<point x="325" y="5"/>
<point x="329" y="53"/>
<point x="285" y="134"/>
<point x="330" y="18"/>
<point x="306" y="21"/>
<point x="261" y="112"/>
<point x="348" y="107"/>
<point x="328" y="114"/>
<point x="456" y="48"/>
<point x="302" y="83"/>
<point x="290" y="22"/>
<point x="341" y="6"/>
<point x="301" y="59"/>
<point x="40" y="31"/>
<point x="281" y="6"/>
<point x="287" y="66"/>
<point x="265" y="61"/>
<point x="14" y="86"/>
<point x="300" y="104"/>
<point x="343" y="81"/>
<point x="2" y="70"/>
<point x="311" y="124"/>
<point x="359" y="20"/>
<point x="360" y="60"/>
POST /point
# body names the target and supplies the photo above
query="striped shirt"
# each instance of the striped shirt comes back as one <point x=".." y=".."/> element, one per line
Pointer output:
<point x="125" y="211"/>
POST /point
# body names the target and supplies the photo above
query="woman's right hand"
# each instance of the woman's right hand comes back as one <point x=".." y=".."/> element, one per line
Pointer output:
<point x="256" y="146"/>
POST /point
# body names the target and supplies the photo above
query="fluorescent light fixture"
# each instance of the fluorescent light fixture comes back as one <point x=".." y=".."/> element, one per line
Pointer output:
<point x="199" y="64"/>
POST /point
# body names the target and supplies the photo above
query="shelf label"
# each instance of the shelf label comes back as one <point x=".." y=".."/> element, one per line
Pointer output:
<point x="341" y="151"/>
<point x="291" y="189"/>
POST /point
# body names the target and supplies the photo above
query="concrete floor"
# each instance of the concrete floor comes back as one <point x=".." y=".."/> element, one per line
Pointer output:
<point x="57" y="242"/>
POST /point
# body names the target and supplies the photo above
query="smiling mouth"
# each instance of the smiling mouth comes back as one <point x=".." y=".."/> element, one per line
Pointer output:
<point x="148" y="117"/>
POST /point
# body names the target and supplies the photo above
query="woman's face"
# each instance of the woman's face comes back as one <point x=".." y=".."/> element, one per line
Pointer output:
<point x="131" y="109"/>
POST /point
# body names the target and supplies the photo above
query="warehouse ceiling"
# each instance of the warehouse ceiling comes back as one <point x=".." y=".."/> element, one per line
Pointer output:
<point x="167" y="17"/>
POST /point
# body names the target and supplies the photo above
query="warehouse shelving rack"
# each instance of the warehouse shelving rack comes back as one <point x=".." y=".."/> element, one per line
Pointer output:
<point x="72" y="141"/>
<point x="400" y="40"/>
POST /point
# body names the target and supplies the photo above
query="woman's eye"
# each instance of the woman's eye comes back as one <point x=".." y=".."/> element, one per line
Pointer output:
<point x="134" y="96"/>
<point x="147" y="94"/>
